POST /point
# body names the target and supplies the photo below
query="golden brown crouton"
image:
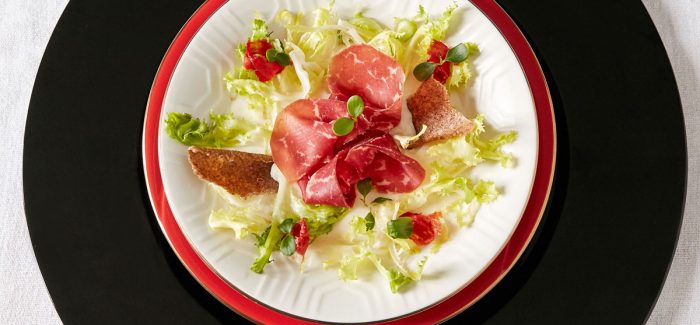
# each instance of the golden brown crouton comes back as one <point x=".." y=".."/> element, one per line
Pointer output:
<point x="240" y="173"/>
<point x="430" y="106"/>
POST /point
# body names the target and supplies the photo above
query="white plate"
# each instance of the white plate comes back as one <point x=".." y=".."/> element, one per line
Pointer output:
<point x="500" y="92"/>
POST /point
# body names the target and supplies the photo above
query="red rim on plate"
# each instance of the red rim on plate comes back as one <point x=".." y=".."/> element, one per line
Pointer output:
<point x="439" y="312"/>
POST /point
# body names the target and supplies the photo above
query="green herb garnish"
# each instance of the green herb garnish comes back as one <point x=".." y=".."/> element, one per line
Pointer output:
<point x="456" y="54"/>
<point x="286" y="225"/>
<point x="424" y="70"/>
<point x="287" y="246"/>
<point x="344" y="125"/>
<point x="369" y="221"/>
<point x="380" y="200"/>
<point x="364" y="186"/>
<point x="400" y="228"/>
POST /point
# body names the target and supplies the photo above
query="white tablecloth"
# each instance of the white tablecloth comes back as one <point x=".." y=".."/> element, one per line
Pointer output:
<point x="25" y="28"/>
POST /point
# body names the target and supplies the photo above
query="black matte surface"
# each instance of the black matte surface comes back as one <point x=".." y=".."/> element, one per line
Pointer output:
<point x="600" y="257"/>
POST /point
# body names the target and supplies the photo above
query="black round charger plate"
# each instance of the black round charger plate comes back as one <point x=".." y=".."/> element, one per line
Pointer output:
<point x="600" y="255"/>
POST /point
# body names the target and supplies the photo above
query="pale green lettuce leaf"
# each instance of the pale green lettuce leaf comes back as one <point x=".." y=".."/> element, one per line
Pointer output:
<point x="320" y="218"/>
<point x="242" y="215"/>
<point x="224" y="130"/>
<point x="258" y="94"/>
<point x="288" y="83"/>
<point x="349" y="264"/>
<point x="310" y="75"/>
<point x="388" y="43"/>
<point x="406" y="140"/>
<point x="406" y="27"/>
<point x="367" y="27"/>
<point x="260" y="29"/>
<point x="417" y="49"/>
<point x="242" y="221"/>
<point x="317" y="43"/>
<point x="491" y="149"/>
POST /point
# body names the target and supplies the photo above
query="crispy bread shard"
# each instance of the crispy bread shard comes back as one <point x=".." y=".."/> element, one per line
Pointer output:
<point x="240" y="173"/>
<point x="430" y="106"/>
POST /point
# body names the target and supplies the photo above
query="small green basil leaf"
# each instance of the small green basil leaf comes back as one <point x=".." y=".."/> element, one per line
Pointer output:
<point x="457" y="54"/>
<point x="286" y="225"/>
<point x="355" y="106"/>
<point x="287" y="246"/>
<point x="369" y="221"/>
<point x="400" y="228"/>
<point x="343" y="126"/>
<point x="364" y="186"/>
<point x="424" y="70"/>
<point x="271" y="54"/>
<point x="283" y="59"/>
<point x="380" y="200"/>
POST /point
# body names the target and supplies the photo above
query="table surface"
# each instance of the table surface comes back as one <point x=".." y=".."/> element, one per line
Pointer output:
<point x="26" y="27"/>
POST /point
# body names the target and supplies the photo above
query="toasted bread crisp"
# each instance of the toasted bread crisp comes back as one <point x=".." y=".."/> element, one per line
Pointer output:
<point x="430" y="106"/>
<point x="240" y="173"/>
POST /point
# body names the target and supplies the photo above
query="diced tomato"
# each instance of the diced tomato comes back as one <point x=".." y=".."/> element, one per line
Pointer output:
<point x="436" y="53"/>
<point x="264" y="69"/>
<point x="259" y="47"/>
<point x="256" y="60"/>
<point x="300" y="232"/>
<point x="425" y="227"/>
<point x="443" y="72"/>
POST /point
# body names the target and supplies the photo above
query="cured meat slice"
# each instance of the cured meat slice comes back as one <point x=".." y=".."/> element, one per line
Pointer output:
<point x="377" y="157"/>
<point x="377" y="78"/>
<point x="332" y="184"/>
<point x="302" y="138"/>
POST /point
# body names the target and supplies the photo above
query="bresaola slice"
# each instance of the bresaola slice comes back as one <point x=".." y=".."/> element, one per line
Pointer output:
<point x="377" y="78"/>
<point x="302" y="138"/>
<point x="375" y="156"/>
<point x="332" y="184"/>
<point x="327" y="167"/>
<point x="380" y="159"/>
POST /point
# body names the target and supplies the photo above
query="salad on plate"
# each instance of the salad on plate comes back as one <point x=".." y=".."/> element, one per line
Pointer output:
<point x="324" y="151"/>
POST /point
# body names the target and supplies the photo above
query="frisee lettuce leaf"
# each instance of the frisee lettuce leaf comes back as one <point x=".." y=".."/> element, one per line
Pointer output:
<point x="258" y="93"/>
<point x="242" y="215"/>
<point x="224" y="130"/>
<point x="430" y="29"/>
<point x="260" y="29"/>
<point x="320" y="218"/>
